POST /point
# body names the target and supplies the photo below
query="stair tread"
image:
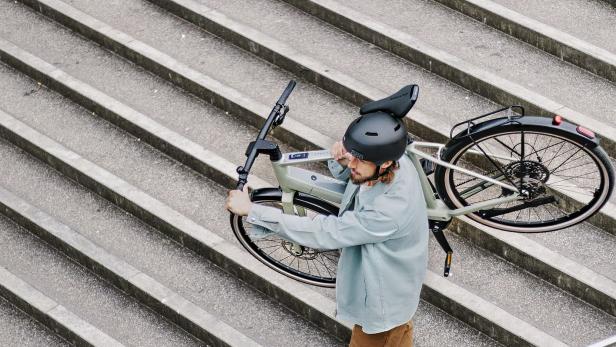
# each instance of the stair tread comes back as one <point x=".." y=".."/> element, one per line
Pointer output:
<point x="19" y="329"/>
<point x="594" y="21"/>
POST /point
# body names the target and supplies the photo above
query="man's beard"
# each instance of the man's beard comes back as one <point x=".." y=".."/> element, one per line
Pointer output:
<point x="360" y="179"/>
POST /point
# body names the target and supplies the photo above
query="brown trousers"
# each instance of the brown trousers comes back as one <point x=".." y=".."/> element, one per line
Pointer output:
<point x="400" y="336"/>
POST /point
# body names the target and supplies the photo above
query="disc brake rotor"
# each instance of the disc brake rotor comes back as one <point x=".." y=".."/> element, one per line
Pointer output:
<point x="530" y="175"/>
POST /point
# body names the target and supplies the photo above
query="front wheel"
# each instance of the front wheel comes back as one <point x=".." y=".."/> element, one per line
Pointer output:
<point x="305" y="264"/>
<point x="563" y="181"/>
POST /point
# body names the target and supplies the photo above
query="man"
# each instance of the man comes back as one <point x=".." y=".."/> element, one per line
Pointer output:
<point x="382" y="229"/>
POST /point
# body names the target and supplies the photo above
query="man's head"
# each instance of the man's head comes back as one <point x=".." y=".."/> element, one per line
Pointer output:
<point x="375" y="142"/>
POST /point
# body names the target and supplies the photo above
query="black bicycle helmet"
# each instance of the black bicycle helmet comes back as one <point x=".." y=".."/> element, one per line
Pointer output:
<point x="379" y="134"/>
<point x="376" y="137"/>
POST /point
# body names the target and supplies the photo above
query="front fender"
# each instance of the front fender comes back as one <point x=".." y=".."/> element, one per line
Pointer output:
<point x="301" y="199"/>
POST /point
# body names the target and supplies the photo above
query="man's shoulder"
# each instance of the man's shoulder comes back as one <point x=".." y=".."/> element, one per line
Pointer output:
<point x="405" y="177"/>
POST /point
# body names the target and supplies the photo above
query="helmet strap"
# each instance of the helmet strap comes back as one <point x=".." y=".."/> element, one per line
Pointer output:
<point x="377" y="173"/>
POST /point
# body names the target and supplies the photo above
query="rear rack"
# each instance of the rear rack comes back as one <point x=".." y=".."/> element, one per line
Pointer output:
<point x="511" y="116"/>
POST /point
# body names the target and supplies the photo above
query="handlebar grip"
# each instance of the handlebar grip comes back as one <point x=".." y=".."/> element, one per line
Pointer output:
<point x="286" y="93"/>
<point x="240" y="186"/>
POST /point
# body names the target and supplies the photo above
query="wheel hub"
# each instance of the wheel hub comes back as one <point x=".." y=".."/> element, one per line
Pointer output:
<point x="529" y="176"/>
<point x="299" y="251"/>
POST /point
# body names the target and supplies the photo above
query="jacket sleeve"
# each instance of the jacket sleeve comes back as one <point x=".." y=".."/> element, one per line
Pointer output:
<point x="338" y="171"/>
<point x="327" y="232"/>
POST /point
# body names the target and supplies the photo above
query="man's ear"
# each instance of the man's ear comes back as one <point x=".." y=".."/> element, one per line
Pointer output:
<point x="386" y="164"/>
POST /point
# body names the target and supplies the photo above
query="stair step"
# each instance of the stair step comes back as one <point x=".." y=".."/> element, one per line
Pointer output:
<point x="260" y="86"/>
<point x="264" y="85"/>
<point x="595" y="21"/>
<point x="523" y="295"/>
<point x="527" y="21"/>
<point x="54" y="315"/>
<point x="19" y="329"/>
<point x="172" y="265"/>
<point x="54" y="289"/>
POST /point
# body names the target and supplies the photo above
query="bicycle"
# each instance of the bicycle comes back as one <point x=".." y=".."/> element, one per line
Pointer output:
<point x="514" y="173"/>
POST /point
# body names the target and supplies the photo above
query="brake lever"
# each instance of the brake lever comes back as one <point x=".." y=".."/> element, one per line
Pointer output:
<point x="280" y="118"/>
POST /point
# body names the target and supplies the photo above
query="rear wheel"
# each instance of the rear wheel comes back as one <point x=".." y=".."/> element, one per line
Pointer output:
<point x="563" y="181"/>
<point x="305" y="264"/>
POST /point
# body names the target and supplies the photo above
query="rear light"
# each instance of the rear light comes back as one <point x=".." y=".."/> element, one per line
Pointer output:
<point x="557" y="120"/>
<point x="585" y="132"/>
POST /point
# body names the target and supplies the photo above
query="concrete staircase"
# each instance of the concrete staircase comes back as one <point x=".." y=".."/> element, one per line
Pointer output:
<point x="122" y="122"/>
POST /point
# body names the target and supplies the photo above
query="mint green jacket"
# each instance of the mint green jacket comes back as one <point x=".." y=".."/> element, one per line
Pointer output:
<point x="384" y="242"/>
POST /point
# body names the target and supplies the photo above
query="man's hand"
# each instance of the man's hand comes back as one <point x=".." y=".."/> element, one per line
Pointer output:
<point x="340" y="154"/>
<point x="239" y="202"/>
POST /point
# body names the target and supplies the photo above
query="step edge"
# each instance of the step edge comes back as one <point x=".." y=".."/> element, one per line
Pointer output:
<point x="48" y="312"/>
<point x="518" y="331"/>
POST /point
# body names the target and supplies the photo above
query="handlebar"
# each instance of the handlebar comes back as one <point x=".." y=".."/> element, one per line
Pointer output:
<point x="275" y="118"/>
<point x="286" y="93"/>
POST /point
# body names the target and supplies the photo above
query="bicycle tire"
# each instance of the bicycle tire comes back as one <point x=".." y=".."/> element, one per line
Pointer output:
<point x="461" y="151"/>
<point x="255" y="247"/>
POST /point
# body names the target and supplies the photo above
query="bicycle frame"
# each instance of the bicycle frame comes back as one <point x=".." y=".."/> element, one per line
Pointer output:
<point x="292" y="179"/>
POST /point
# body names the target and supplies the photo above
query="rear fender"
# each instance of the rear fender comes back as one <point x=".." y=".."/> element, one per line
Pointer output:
<point x="564" y="129"/>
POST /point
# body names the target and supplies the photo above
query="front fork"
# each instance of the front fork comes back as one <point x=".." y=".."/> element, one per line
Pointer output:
<point x="289" y="208"/>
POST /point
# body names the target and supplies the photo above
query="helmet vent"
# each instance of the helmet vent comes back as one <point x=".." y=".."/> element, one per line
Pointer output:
<point x="397" y="127"/>
<point x="368" y="133"/>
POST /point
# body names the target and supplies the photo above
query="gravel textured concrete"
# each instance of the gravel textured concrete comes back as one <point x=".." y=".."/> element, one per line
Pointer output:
<point x="19" y="329"/>
<point x="499" y="53"/>
<point x="83" y="293"/>
<point x="360" y="60"/>
<point x="522" y="294"/>
<point x="592" y="21"/>
<point x="198" y="49"/>
<point x="184" y="272"/>
<point x="433" y="327"/>
<point x="173" y="108"/>
<point x="585" y="244"/>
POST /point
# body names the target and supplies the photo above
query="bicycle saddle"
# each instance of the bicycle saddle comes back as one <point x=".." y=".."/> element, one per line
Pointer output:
<point x="398" y="104"/>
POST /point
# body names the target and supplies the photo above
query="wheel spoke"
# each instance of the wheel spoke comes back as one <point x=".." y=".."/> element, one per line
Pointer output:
<point x="561" y="164"/>
<point x="326" y="267"/>
<point x="272" y="252"/>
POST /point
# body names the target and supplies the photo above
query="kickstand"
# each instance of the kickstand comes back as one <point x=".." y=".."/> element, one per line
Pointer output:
<point x="437" y="229"/>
